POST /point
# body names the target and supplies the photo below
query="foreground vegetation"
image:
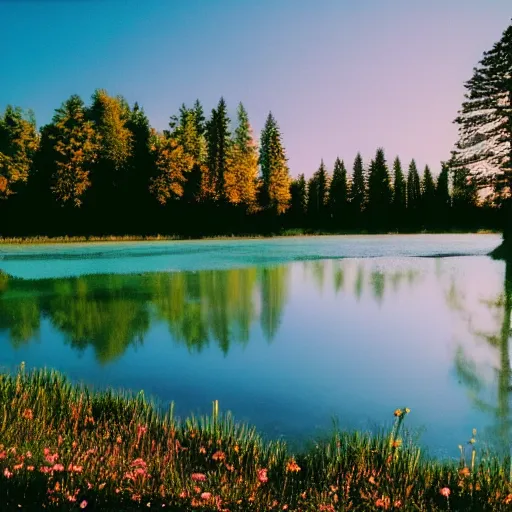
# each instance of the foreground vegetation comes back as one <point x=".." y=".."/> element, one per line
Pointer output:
<point x="63" y="447"/>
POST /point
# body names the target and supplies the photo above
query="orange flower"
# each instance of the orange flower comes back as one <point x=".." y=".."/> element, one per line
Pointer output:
<point x="292" y="466"/>
<point x="508" y="499"/>
<point x="397" y="443"/>
<point x="219" y="455"/>
<point x="198" y="477"/>
<point x="206" y="495"/>
<point x="445" y="491"/>
<point x="83" y="504"/>
<point x="27" y="414"/>
<point x="398" y="412"/>
<point x="464" y="472"/>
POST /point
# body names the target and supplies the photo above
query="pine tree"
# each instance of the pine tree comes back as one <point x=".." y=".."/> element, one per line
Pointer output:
<point x="18" y="144"/>
<point x="218" y="139"/>
<point x="443" y="199"/>
<point x="338" y="194"/>
<point x="274" y="168"/>
<point x="413" y="187"/>
<point x="298" y="204"/>
<point x="484" y="146"/>
<point x="379" y="191"/>
<point x="76" y="145"/>
<point x="399" y="194"/>
<point x="428" y="197"/>
<point x="241" y="172"/>
<point x="358" y="191"/>
<point x="318" y="196"/>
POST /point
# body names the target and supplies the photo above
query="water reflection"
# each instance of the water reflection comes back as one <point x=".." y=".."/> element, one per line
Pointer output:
<point x="341" y="324"/>
<point x="112" y="312"/>
<point x="473" y="371"/>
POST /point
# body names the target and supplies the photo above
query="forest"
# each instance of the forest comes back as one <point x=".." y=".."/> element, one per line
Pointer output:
<point x="102" y="169"/>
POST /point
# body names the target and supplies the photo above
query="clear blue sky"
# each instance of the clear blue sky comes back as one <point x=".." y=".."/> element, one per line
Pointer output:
<point x="340" y="76"/>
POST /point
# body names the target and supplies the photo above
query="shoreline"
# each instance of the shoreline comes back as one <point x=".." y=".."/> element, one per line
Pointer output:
<point x="173" y="238"/>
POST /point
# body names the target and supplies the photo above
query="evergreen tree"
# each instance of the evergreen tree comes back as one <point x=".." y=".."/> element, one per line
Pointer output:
<point x="76" y="146"/>
<point x="399" y="194"/>
<point x="298" y="204"/>
<point x="18" y="144"/>
<point x="218" y="139"/>
<point x="358" y="191"/>
<point x="317" y="197"/>
<point x="274" y="168"/>
<point x="428" y="197"/>
<point x="413" y="189"/>
<point x="379" y="191"/>
<point x="241" y="172"/>
<point x="484" y="146"/>
<point x="443" y="199"/>
<point x="465" y="192"/>
<point x="338" y="194"/>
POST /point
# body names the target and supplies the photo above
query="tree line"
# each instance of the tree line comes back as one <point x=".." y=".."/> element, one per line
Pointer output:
<point x="101" y="169"/>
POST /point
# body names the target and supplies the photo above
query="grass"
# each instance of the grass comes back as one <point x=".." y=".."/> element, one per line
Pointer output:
<point x="153" y="238"/>
<point x="63" y="447"/>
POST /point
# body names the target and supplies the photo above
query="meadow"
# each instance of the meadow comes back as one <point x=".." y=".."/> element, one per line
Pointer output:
<point x="64" y="447"/>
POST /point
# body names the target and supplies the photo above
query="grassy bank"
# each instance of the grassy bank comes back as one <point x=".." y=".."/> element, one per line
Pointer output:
<point x="64" y="448"/>
<point x="284" y="233"/>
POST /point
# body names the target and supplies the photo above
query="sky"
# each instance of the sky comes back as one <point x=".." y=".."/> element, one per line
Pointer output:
<point x="340" y="76"/>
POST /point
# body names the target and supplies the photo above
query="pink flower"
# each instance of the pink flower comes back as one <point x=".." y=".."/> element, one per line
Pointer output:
<point x="138" y="462"/>
<point x="7" y="473"/>
<point x="262" y="475"/>
<point x="206" y="495"/>
<point x="198" y="477"/>
<point x="3" y="455"/>
<point x="445" y="491"/>
<point x="83" y="504"/>
<point x="28" y="455"/>
<point x="58" y="467"/>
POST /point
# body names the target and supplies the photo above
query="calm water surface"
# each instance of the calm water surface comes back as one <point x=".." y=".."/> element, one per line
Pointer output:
<point x="286" y="333"/>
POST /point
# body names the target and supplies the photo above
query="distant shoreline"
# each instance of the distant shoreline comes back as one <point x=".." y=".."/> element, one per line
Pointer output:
<point x="176" y="238"/>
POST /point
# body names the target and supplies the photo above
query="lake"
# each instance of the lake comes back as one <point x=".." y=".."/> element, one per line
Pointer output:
<point x="286" y="333"/>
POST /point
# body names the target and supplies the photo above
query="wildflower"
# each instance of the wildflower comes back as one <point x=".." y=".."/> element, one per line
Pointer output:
<point x="383" y="502"/>
<point x="198" y="477"/>
<point x="407" y="410"/>
<point x="445" y="491"/>
<point x="83" y="504"/>
<point x="28" y="455"/>
<point x="58" y="467"/>
<point x="138" y="462"/>
<point x="74" y="444"/>
<point x="464" y="472"/>
<point x="292" y="466"/>
<point x="72" y="499"/>
<point x="17" y="466"/>
<point x="218" y="455"/>
<point x="7" y="473"/>
<point x="262" y="475"/>
<point x="30" y="468"/>
<point x="101" y="486"/>
<point x="508" y="499"/>
<point x="202" y="450"/>
<point x="141" y="430"/>
<point x="27" y="414"/>
<point x="397" y="504"/>
<point x="398" y="412"/>
<point x="206" y="496"/>
<point x="119" y="440"/>
<point x="3" y="455"/>
<point x="183" y="494"/>
<point x="397" y="443"/>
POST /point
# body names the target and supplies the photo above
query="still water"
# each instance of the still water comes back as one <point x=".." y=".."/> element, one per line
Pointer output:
<point x="286" y="333"/>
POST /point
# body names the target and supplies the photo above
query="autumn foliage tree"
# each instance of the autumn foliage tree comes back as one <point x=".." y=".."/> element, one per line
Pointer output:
<point x="76" y="146"/>
<point x="18" y="145"/>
